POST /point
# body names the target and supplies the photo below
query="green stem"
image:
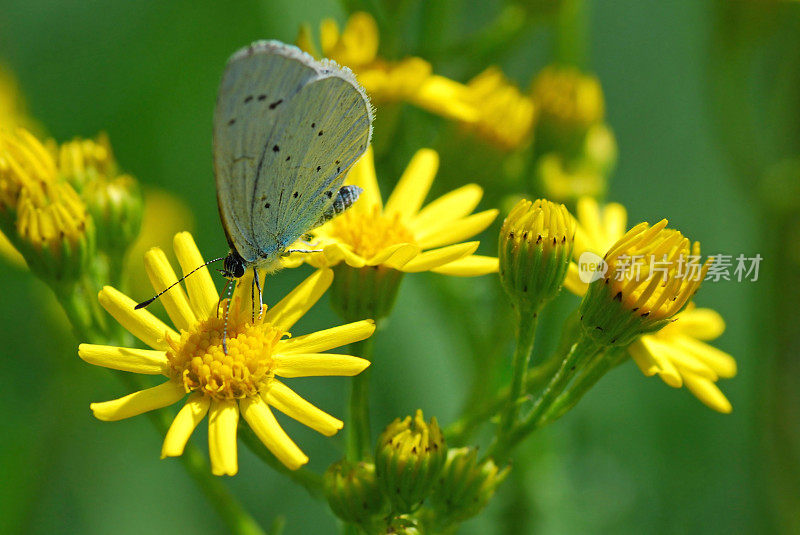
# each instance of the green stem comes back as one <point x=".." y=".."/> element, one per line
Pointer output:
<point x="581" y="352"/>
<point x="307" y="479"/>
<point x="358" y="437"/>
<point x="236" y="518"/>
<point x="526" y="333"/>
<point x="601" y="364"/>
<point x="571" y="30"/>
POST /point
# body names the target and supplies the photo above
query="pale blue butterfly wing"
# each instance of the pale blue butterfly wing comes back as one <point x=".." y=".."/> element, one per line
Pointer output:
<point x="286" y="130"/>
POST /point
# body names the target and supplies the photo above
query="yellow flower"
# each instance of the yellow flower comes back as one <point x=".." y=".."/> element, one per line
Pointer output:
<point x="679" y="355"/>
<point x="489" y="104"/>
<point x="400" y="235"/>
<point x="568" y="99"/>
<point x="505" y="116"/>
<point x="678" y="352"/>
<point x="357" y="47"/>
<point x="224" y="385"/>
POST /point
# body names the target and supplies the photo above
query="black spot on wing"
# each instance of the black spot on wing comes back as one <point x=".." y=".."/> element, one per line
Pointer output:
<point x="275" y="148"/>
<point x="248" y="98"/>
<point x="262" y="98"/>
<point x="275" y="104"/>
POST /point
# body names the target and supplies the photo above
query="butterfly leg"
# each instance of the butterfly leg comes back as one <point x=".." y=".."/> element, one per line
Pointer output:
<point x="257" y="280"/>
<point x="229" y="292"/>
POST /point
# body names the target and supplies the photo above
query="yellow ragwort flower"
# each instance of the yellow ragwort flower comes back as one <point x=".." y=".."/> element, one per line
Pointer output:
<point x="678" y="352"/>
<point x="357" y="47"/>
<point x="489" y="105"/>
<point x="505" y="116"/>
<point x="402" y="236"/>
<point x="568" y="99"/>
<point x="224" y="385"/>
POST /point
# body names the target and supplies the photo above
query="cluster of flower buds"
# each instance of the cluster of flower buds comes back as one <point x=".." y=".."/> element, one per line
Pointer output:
<point x="576" y="150"/>
<point x="415" y="484"/>
<point x="59" y="205"/>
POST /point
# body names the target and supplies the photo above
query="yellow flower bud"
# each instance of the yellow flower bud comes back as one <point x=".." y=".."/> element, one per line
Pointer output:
<point x="465" y="486"/>
<point x="647" y="277"/>
<point x="352" y="493"/>
<point x="409" y="457"/>
<point x="44" y="217"/>
<point x="536" y="243"/>
<point x="117" y="208"/>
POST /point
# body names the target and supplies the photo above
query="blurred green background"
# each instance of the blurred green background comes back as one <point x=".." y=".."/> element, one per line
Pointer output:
<point x="635" y="456"/>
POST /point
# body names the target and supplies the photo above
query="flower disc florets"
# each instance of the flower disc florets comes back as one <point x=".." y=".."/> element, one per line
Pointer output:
<point x="200" y="361"/>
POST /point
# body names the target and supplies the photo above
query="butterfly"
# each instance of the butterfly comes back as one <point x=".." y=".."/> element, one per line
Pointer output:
<point x="287" y="128"/>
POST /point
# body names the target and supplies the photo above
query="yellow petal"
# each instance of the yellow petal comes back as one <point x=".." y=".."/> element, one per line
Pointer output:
<point x="701" y="323"/>
<point x="722" y="363"/>
<point x="396" y="255"/>
<point x="648" y="354"/>
<point x="139" y="402"/>
<point x="124" y="358"/>
<point x="267" y="429"/>
<point x="328" y="35"/>
<point x="327" y="339"/>
<point x="318" y="364"/>
<point x="184" y="424"/>
<point x="707" y="392"/>
<point x="456" y="231"/>
<point x="439" y="257"/>
<point x="414" y="184"/>
<point x="292" y="307"/>
<point x="336" y="252"/>
<point x="222" y="422"/>
<point x="288" y="402"/>
<point x="142" y="324"/>
<point x="449" y="207"/>
<point x="162" y="276"/>
<point x="470" y="266"/>
<point x="362" y="174"/>
<point x="615" y="219"/>
<point x="573" y="281"/>
<point x="203" y="294"/>
<point x="445" y="97"/>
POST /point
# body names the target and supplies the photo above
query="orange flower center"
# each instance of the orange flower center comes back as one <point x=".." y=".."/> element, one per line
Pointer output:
<point x="199" y="360"/>
<point x="369" y="233"/>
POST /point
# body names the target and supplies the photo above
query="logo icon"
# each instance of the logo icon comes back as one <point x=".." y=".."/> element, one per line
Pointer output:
<point x="591" y="267"/>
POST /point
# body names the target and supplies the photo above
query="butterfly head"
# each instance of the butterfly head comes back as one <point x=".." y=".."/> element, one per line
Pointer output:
<point x="233" y="266"/>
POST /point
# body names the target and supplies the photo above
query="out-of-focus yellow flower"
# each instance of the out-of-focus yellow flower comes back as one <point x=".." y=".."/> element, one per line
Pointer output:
<point x="677" y="352"/>
<point x="83" y="161"/>
<point x="243" y="380"/>
<point x="402" y="235"/>
<point x="357" y="47"/>
<point x="505" y="116"/>
<point x="565" y="180"/>
<point x="489" y="104"/>
<point x="568" y="101"/>
<point x="43" y="216"/>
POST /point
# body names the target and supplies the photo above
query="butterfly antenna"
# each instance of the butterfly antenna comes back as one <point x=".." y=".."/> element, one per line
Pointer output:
<point x="168" y="288"/>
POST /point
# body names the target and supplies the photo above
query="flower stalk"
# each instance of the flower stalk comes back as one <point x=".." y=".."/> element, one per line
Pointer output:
<point x="358" y="431"/>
